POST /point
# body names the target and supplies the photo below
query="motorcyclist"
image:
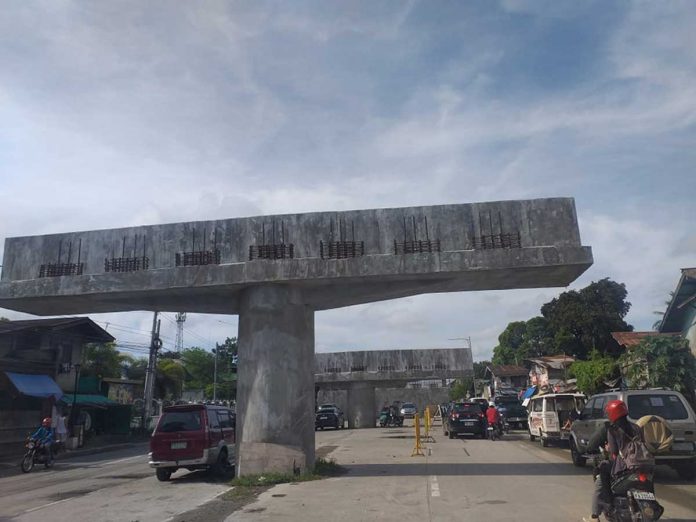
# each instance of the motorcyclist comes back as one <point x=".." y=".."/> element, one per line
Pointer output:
<point x="44" y="436"/>
<point x="612" y="435"/>
<point x="493" y="415"/>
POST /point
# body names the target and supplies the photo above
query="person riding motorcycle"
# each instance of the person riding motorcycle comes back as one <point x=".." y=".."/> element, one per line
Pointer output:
<point x="44" y="436"/>
<point x="612" y="435"/>
<point x="493" y="416"/>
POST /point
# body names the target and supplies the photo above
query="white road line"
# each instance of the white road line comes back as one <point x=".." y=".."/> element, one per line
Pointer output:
<point x="434" y="487"/>
<point x="47" y="505"/>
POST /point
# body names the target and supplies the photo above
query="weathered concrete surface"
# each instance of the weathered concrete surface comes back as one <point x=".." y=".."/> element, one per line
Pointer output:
<point x="275" y="426"/>
<point x="360" y="373"/>
<point x="550" y="255"/>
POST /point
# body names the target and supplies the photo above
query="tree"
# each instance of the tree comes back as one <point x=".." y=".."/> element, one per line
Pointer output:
<point x="169" y="379"/>
<point x="593" y="373"/>
<point x="582" y="321"/>
<point x="200" y="365"/>
<point x="661" y="361"/>
<point x="509" y="343"/>
<point x="461" y="388"/>
<point x="480" y="369"/>
<point x="102" y="360"/>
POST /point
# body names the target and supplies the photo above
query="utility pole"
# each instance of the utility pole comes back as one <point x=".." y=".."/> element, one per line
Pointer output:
<point x="215" y="374"/>
<point x="150" y="372"/>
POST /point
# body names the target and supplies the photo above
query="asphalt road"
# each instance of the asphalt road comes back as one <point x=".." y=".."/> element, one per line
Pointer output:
<point x="115" y="486"/>
<point x="456" y="480"/>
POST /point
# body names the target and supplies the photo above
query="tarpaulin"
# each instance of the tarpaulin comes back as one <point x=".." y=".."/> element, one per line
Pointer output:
<point x="530" y="391"/>
<point x="41" y="386"/>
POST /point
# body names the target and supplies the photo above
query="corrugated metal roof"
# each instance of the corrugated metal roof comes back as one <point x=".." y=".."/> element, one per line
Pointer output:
<point x="97" y="333"/>
<point x="675" y="315"/>
<point x="630" y="339"/>
<point x="509" y="370"/>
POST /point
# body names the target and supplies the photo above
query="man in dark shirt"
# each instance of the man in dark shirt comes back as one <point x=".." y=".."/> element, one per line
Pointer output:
<point x="611" y="435"/>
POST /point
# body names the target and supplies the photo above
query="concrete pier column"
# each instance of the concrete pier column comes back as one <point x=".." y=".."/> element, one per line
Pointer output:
<point x="275" y="387"/>
<point x="362" y="412"/>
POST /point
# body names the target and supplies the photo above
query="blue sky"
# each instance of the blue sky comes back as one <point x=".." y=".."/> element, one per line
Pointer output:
<point x="116" y="114"/>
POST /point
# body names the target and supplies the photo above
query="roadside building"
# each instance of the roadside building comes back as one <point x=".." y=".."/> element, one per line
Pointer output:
<point x="507" y="377"/>
<point x="550" y="373"/>
<point x="39" y="363"/>
<point x="680" y="316"/>
<point x="629" y="340"/>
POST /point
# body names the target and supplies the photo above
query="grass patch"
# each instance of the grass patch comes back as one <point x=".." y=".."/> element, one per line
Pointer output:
<point x="322" y="468"/>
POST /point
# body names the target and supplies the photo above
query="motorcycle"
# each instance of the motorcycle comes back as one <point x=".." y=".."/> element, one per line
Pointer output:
<point x="633" y="497"/>
<point x="37" y="453"/>
<point x="386" y="419"/>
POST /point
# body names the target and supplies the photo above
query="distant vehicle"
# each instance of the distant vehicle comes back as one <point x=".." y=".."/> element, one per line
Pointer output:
<point x="329" y="416"/>
<point x="193" y="436"/>
<point x="549" y="415"/>
<point x="389" y="416"/>
<point x="667" y="404"/>
<point x="408" y="410"/>
<point x="481" y="401"/>
<point x="512" y="410"/>
<point x="464" y="417"/>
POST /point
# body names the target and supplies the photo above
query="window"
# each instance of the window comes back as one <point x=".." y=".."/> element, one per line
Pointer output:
<point x="550" y="404"/>
<point x="667" y="406"/>
<point x="565" y="404"/>
<point x="213" y="420"/>
<point x="587" y="411"/>
<point x="598" y="408"/>
<point x="180" y="421"/>
<point x="224" y="418"/>
<point x="467" y="408"/>
<point x="537" y="405"/>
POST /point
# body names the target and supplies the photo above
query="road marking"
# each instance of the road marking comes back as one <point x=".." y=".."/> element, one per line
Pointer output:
<point x="47" y="505"/>
<point x="434" y="487"/>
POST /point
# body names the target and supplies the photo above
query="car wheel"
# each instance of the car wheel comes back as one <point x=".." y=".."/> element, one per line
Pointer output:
<point x="543" y="440"/>
<point x="450" y="434"/>
<point x="686" y="471"/>
<point x="163" y="474"/>
<point x="222" y="465"/>
<point x="578" y="459"/>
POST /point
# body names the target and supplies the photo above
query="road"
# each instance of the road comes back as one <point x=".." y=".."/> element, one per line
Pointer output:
<point x="115" y="486"/>
<point x="461" y="479"/>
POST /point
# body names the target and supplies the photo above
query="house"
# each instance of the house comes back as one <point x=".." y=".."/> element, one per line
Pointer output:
<point x="680" y="316"/>
<point x="39" y="361"/>
<point x="507" y="377"/>
<point x="628" y="340"/>
<point x="550" y="372"/>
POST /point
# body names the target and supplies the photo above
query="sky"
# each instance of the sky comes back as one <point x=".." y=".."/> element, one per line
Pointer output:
<point x="126" y="113"/>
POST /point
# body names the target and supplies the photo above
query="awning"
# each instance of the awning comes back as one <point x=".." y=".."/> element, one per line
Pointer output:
<point x="530" y="391"/>
<point x="41" y="386"/>
<point x="83" y="399"/>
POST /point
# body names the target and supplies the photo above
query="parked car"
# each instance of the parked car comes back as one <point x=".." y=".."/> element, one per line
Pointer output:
<point x="193" y="436"/>
<point x="329" y="416"/>
<point x="668" y="404"/>
<point x="511" y="408"/>
<point x="464" y="417"/>
<point x="549" y="415"/>
<point x="408" y="410"/>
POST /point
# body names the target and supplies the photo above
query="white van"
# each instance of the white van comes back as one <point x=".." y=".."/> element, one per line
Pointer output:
<point x="550" y="416"/>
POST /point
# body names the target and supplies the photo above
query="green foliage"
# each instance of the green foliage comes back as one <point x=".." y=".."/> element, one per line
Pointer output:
<point x="461" y="389"/>
<point x="509" y="343"/>
<point x="480" y="369"/>
<point x="170" y="377"/>
<point x="593" y="373"/>
<point x="582" y="321"/>
<point x="661" y="362"/>
<point x="322" y="468"/>
<point x="4" y="320"/>
<point x="200" y="365"/>
<point x="102" y="360"/>
<point x="524" y="339"/>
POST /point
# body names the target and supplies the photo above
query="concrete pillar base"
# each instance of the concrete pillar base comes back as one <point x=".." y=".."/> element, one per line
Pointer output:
<point x="275" y="388"/>
<point x="362" y="411"/>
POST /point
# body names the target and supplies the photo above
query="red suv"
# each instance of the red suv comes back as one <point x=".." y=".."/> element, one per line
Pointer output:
<point x="193" y="436"/>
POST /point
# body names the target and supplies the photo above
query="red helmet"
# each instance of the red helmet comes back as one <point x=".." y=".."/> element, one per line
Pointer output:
<point x="46" y="422"/>
<point x="615" y="410"/>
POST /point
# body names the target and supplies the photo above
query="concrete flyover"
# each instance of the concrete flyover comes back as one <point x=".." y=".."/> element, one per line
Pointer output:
<point x="357" y="375"/>
<point x="275" y="271"/>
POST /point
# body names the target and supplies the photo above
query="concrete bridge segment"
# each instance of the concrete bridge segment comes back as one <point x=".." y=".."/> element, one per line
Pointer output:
<point x="275" y="271"/>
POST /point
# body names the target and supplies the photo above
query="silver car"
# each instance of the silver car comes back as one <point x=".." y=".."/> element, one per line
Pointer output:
<point x="408" y="410"/>
<point x="668" y="404"/>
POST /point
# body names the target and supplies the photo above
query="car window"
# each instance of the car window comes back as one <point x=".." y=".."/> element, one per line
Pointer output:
<point x="213" y="421"/>
<point x="587" y="411"/>
<point x="180" y="421"/>
<point x="667" y="406"/>
<point x="536" y="405"/>
<point x="467" y="408"/>
<point x="565" y="403"/>
<point x="224" y="419"/>
<point x="550" y="404"/>
<point x="598" y="408"/>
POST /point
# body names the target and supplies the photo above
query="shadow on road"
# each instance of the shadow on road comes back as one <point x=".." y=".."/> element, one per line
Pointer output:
<point x="492" y="469"/>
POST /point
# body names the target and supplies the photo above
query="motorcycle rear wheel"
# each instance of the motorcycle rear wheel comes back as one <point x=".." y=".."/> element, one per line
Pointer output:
<point x="27" y="462"/>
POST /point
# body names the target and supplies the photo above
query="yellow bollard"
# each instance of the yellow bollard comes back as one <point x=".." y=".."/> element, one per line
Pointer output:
<point x="428" y="425"/>
<point x="418" y="448"/>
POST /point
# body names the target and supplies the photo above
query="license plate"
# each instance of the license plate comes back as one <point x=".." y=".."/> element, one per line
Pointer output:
<point x="178" y="445"/>
<point x="323" y="418"/>
<point x="643" y="495"/>
<point x="469" y="423"/>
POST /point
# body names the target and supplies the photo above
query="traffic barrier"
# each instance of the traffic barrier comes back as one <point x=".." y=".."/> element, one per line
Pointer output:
<point x="418" y="448"/>
<point x="428" y="426"/>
